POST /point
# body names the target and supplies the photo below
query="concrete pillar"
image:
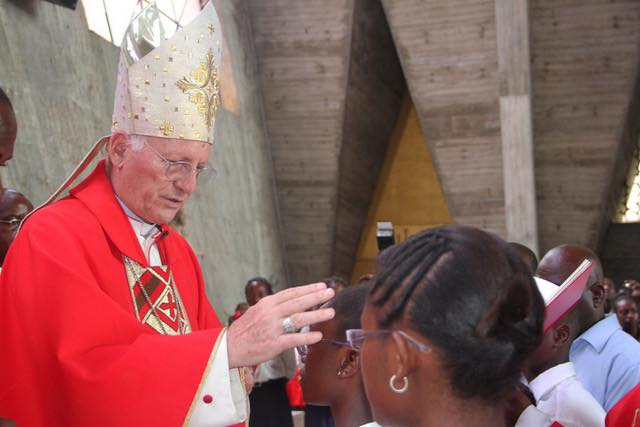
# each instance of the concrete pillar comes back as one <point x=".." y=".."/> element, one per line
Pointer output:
<point x="514" y="74"/>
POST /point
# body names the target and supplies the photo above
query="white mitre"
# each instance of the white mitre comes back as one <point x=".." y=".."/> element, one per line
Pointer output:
<point x="168" y="80"/>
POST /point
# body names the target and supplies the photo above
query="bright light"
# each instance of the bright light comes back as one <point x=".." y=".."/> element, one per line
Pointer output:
<point x="110" y="18"/>
<point x="629" y="207"/>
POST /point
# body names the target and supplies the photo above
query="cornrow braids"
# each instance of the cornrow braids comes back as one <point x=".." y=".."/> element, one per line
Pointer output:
<point x="471" y="296"/>
<point x="413" y="259"/>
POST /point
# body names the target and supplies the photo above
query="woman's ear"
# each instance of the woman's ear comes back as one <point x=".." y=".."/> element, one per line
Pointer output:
<point x="406" y="356"/>
<point x="349" y="363"/>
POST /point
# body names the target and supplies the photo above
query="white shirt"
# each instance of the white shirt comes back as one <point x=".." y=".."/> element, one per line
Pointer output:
<point x="561" y="397"/>
<point x="373" y="424"/>
<point x="282" y="366"/>
<point x="229" y="403"/>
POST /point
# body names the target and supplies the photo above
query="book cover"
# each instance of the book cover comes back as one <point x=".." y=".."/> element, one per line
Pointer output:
<point x="567" y="295"/>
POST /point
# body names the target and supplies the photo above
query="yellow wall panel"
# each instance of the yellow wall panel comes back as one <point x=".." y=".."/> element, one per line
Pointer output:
<point x="408" y="192"/>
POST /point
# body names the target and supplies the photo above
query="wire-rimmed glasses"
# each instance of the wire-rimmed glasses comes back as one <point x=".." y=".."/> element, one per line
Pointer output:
<point x="356" y="337"/>
<point x="178" y="169"/>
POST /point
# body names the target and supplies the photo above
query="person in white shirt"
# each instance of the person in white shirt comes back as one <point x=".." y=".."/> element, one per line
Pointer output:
<point x="560" y="396"/>
<point x="268" y="400"/>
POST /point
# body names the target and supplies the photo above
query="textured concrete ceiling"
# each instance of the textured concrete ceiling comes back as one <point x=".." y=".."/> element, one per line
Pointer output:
<point x="332" y="88"/>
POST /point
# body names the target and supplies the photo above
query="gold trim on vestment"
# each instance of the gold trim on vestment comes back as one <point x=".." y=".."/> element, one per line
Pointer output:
<point x="204" y="376"/>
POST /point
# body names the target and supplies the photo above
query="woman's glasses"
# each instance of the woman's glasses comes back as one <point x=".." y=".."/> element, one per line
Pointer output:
<point x="303" y="350"/>
<point x="356" y="337"/>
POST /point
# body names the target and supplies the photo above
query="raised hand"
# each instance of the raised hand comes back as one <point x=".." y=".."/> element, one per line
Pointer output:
<point x="259" y="334"/>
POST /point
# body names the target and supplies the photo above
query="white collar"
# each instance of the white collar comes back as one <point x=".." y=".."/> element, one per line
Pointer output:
<point x="373" y="424"/>
<point x="140" y="226"/>
<point x="550" y="378"/>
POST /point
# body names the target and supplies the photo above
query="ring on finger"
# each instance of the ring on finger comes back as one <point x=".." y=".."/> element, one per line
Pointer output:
<point x="287" y="325"/>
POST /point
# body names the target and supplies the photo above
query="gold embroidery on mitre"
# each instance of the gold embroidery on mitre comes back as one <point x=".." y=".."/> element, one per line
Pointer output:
<point x="204" y="88"/>
<point x="166" y="128"/>
<point x="166" y="314"/>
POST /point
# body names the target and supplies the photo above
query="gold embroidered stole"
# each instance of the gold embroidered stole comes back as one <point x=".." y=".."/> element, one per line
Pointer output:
<point x="156" y="300"/>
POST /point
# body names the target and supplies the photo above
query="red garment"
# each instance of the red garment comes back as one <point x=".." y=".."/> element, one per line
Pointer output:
<point x="626" y="413"/>
<point x="72" y="352"/>
<point x="294" y="391"/>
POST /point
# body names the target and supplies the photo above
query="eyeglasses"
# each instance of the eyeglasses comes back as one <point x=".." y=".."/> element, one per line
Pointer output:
<point x="178" y="169"/>
<point x="303" y="350"/>
<point x="356" y="337"/>
<point x="12" y="223"/>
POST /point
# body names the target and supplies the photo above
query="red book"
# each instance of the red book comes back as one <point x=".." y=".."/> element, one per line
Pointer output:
<point x="568" y="294"/>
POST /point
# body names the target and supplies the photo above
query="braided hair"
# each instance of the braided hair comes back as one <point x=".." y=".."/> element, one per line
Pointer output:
<point x="471" y="296"/>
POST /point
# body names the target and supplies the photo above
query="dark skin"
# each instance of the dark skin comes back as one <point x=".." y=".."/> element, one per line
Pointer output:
<point x="428" y="381"/>
<point x="610" y="290"/>
<point x="331" y="376"/>
<point x="553" y="350"/>
<point x="627" y="313"/>
<point x="13" y="206"/>
<point x="8" y="132"/>
<point x="559" y="263"/>
<point x="255" y="291"/>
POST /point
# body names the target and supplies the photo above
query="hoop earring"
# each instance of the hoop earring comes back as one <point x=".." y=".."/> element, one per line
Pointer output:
<point x="400" y="390"/>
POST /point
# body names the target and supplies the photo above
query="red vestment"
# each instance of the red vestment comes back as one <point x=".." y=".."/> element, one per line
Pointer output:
<point x="626" y="413"/>
<point x="72" y="351"/>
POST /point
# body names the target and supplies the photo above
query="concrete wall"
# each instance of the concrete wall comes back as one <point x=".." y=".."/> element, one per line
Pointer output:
<point x="60" y="78"/>
<point x="374" y="93"/>
<point x="303" y="55"/>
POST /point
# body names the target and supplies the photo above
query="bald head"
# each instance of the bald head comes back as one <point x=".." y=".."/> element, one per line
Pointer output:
<point x="558" y="264"/>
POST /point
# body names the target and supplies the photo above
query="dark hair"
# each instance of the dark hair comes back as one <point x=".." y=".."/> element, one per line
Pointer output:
<point x="336" y="279"/>
<point x="349" y="305"/>
<point x="260" y="280"/>
<point x="5" y="98"/>
<point x="622" y="296"/>
<point x="527" y="255"/>
<point x="472" y="297"/>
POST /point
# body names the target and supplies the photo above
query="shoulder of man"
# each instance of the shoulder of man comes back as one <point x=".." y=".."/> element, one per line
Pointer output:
<point x="68" y="215"/>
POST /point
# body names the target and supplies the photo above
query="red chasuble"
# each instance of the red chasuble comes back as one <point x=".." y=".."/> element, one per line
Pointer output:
<point x="78" y="345"/>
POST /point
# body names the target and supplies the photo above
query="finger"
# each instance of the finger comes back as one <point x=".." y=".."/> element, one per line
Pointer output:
<point x="295" y="340"/>
<point x="300" y="320"/>
<point x="296" y="291"/>
<point x="304" y="302"/>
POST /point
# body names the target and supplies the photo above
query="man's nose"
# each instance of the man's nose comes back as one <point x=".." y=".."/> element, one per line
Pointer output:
<point x="187" y="183"/>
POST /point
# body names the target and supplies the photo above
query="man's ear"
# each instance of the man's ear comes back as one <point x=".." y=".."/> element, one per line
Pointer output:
<point x="117" y="148"/>
<point x="599" y="295"/>
<point x="561" y="335"/>
<point x="349" y="363"/>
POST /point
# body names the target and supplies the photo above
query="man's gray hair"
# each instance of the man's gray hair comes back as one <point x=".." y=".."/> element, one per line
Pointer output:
<point x="137" y="142"/>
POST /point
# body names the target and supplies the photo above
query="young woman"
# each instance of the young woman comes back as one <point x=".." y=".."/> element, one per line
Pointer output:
<point x="452" y="316"/>
<point x="331" y="374"/>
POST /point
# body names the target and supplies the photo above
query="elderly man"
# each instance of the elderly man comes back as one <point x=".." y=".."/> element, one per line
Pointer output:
<point x="606" y="359"/>
<point x="103" y="313"/>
